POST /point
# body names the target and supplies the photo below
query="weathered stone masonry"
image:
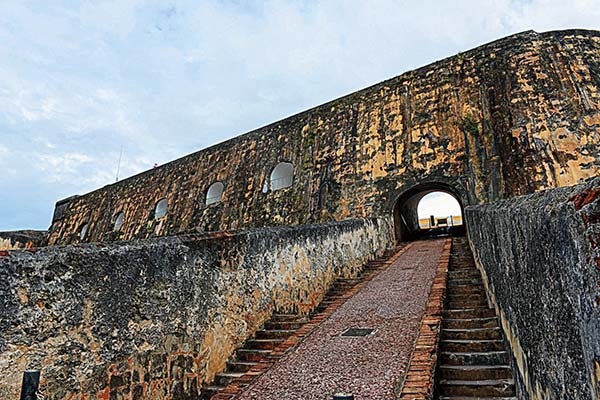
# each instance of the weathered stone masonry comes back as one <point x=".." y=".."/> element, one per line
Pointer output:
<point x="21" y="239"/>
<point x="540" y="258"/>
<point x="156" y="318"/>
<point x="508" y="118"/>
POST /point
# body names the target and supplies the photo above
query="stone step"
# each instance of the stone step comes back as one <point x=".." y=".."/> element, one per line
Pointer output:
<point x="474" y="363"/>
<point x="263" y="344"/>
<point x="467" y="303"/>
<point x="273" y="333"/>
<point x="472" y="334"/>
<point x="370" y="268"/>
<point x="225" y="378"/>
<point x="253" y="355"/>
<point x="464" y="282"/>
<point x="327" y="302"/>
<point x="283" y="325"/>
<point x="349" y="281"/>
<point x="453" y="271"/>
<point x="210" y="390"/>
<point x="475" y="358"/>
<point x="475" y="372"/>
<point x="337" y="292"/>
<point x="467" y="290"/>
<point x="467" y="296"/>
<point x="289" y="318"/>
<point x="487" y="388"/>
<point x="470" y="323"/>
<point x="464" y="274"/>
<point x="471" y="346"/>
<point x="473" y="312"/>
<point x="462" y="302"/>
<point x="341" y="285"/>
<point x="223" y="396"/>
<point x="368" y="271"/>
<point x="240" y="366"/>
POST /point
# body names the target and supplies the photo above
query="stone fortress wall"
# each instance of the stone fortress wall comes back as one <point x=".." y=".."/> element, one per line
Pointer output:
<point x="540" y="260"/>
<point x="157" y="318"/>
<point x="511" y="117"/>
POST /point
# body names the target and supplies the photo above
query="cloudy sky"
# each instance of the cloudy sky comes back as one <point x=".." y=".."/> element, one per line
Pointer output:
<point x="438" y="204"/>
<point x="81" y="79"/>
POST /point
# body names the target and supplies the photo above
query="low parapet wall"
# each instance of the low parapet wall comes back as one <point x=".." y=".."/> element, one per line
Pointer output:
<point x="541" y="262"/>
<point x="11" y="240"/>
<point x="156" y="318"/>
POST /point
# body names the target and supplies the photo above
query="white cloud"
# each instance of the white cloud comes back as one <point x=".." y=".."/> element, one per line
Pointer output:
<point x="80" y="110"/>
<point x="438" y="204"/>
<point x="61" y="168"/>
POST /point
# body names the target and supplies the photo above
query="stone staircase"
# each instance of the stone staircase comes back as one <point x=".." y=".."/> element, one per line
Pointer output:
<point x="474" y="362"/>
<point x="255" y="351"/>
<point x="260" y="352"/>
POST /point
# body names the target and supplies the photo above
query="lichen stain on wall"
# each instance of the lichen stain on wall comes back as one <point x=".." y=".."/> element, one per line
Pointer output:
<point x="568" y="156"/>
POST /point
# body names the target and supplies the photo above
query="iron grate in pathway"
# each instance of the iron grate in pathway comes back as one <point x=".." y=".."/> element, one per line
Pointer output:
<point x="358" y="332"/>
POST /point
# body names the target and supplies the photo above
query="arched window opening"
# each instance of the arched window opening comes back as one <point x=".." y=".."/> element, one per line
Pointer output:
<point x="118" y="221"/>
<point x="439" y="209"/>
<point x="83" y="231"/>
<point x="282" y="176"/>
<point x="214" y="194"/>
<point x="161" y="208"/>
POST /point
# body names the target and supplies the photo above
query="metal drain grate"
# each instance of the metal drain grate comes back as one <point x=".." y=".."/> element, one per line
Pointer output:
<point x="358" y="332"/>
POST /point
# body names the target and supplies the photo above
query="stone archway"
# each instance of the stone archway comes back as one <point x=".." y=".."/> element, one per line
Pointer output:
<point x="406" y="219"/>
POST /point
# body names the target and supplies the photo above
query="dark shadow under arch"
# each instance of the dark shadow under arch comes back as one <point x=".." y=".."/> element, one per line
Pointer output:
<point x="406" y="219"/>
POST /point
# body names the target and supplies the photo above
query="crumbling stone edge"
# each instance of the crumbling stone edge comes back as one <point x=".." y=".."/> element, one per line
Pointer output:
<point x="24" y="239"/>
<point x="418" y="380"/>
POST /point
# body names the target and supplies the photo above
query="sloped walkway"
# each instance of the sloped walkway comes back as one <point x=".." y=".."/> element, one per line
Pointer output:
<point x="369" y="367"/>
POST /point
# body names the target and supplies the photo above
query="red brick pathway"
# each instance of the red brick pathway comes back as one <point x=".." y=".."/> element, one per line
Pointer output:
<point x="371" y="367"/>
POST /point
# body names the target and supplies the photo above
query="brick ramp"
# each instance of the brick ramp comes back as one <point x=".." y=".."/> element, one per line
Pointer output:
<point x="370" y="367"/>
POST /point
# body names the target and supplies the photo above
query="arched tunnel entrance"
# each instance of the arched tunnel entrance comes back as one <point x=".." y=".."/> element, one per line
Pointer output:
<point x="428" y="209"/>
